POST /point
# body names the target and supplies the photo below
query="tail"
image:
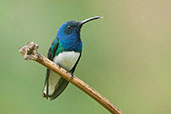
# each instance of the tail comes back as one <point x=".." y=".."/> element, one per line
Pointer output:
<point x="54" y="85"/>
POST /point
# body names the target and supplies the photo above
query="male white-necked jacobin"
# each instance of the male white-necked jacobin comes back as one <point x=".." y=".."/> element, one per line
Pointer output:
<point x="66" y="52"/>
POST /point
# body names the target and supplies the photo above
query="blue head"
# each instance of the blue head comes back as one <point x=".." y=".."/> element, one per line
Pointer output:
<point x="69" y="33"/>
<point x="69" y="30"/>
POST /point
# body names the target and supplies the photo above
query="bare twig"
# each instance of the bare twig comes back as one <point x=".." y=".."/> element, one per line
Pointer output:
<point x="30" y="53"/>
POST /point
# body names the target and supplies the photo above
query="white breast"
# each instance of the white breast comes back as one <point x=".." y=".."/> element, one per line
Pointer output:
<point x="67" y="59"/>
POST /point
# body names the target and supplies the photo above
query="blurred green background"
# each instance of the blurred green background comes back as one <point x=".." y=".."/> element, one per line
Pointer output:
<point x="126" y="55"/>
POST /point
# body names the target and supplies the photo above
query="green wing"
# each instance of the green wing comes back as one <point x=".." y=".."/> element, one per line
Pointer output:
<point x="60" y="84"/>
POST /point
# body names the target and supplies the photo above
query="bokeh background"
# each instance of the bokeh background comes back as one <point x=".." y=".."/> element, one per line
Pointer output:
<point x="126" y="55"/>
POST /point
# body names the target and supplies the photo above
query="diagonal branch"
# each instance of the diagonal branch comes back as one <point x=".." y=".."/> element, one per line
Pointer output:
<point x="30" y="53"/>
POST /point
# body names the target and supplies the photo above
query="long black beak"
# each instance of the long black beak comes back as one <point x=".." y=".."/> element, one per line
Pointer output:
<point x="89" y="19"/>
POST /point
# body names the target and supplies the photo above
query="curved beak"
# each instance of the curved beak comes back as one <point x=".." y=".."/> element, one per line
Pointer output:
<point x="89" y="19"/>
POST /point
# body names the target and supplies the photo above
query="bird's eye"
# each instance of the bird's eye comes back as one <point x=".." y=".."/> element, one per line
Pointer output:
<point x="69" y="27"/>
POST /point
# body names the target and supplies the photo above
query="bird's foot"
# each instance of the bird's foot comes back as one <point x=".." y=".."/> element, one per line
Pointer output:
<point x="59" y="66"/>
<point x="69" y="72"/>
<point x="72" y="75"/>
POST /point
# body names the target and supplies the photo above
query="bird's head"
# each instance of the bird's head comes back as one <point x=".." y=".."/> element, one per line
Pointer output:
<point x="72" y="29"/>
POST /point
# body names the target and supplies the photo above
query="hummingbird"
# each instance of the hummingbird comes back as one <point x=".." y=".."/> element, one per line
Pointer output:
<point x="65" y="51"/>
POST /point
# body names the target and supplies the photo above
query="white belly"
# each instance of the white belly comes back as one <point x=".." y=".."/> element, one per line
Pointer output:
<point x="67" y="59"/>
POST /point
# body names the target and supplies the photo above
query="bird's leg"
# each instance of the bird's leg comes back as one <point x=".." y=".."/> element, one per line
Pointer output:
<point x="60" y="66"/>
<point x="72" y="75"/>
<point x="70" y="72"/>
